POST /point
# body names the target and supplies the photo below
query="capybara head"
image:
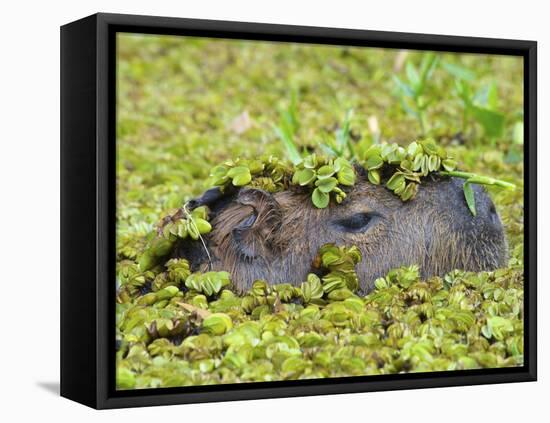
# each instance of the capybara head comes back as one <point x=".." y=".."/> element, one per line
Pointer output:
<point x="275" y="237"/>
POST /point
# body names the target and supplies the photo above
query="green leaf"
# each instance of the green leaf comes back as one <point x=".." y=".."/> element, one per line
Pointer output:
<point x="326" y="185"/>
<point x="333" y="281"/>
<point x="427" y="66"/>
<point x="374" y="162"/>
<point x="463" y="91"/>
<point x="341" y="163"/>
<point x="479" y="179"/>
<point x="413" y="77"/>
<point x="459" y="72"/>
<point x="342" y="134"/>
<point x="303" y="177"/>
<point x="470" y="197"/>
<point x="499" y="326"/>
<point x="395" y="181"/>
<point x="288" y="126"/>
<point x="491" y="121"/>
<point x="487" y="96"/>
<point x="409" y="192"/>
<point x="417" y="162"/>
<point x="208" y="283"/>
<point x="406" y="165"/>
<point x="483" y="180"/>
<point x="346" y="176"/>
<point x="159" y="246"/>
<point x="320" y="199"/>
<point x="237" y="170"/>
<point x="325" y="172"/>
<point x="310" y="162"/>
<point x="255" y="166"/>
<point x="381" y="283"/>
<point x="217" y="324"/>
<point x="168" y="230"/>
<point x="492" y="96"/>
<point x="147" y="261"/>
<point x="374" y="177"/>
<point x="329" y="149"/>
<point x="167" y="293"/>
<point x="486" y="331"/>
<point x="240" y="175"/>
<point x="291" y="149"/>
<point x="312" y="288"/>
<point x="219" y="175"/>
<point x="449" y="164"/>
<point x="400" y="189"/>
<point x="182" y="229"/>
<point x="125" y="378"/>
<point x="192" y="230"/>
<point x="425" y="164"/>
<point x="200" y="212"/>
<point x="203" y="226"/>
<point x="413" y="149"/>
<point x="434" y="163"/>
<point x="407" y="90"/>
<point x="412" y="176"/>
<point x="429" y="146"/>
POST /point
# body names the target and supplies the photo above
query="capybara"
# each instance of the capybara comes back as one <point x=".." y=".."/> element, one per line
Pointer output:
<point x="275" y="237"/>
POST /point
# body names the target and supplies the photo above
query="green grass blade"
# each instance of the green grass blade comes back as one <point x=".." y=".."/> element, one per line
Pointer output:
<point x="291" y="149"/>
<point x="470" y="197"/>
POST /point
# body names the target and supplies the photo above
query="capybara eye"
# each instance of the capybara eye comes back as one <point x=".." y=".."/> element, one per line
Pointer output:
<point x="358" y="222"/>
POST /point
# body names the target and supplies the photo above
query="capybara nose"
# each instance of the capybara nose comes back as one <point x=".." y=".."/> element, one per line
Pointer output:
<point x="483" y="231"/>
<point x="486" y="212"/>
<point x="485" y="220"/>
<point x="492" y="214"/>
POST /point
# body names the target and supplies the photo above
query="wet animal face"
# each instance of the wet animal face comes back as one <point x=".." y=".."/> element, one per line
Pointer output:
<point x="275" y="237"/>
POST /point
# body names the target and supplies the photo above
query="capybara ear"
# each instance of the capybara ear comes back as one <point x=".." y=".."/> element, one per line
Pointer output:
<point x="214" y="198"/>
<point x="255" y="234"/>
<point x="262" y="201"/>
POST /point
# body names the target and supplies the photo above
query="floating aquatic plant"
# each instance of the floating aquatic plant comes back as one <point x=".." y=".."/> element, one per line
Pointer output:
<point x="328" y="178"/>
<point x="275" y="332"/>
<point x="180" y="225"/>
<point x="324" y="176"/>
<point x="171" y="320"/>
<point x="208" y="283"/>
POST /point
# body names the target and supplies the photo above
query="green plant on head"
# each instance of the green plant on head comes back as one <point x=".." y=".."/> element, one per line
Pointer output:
<point x="328" y="178"/>
<point x="325" y="177"/>
<point x="268" y="173"/>
<point x="409" y="164"/>
<point x="412" y="163"/>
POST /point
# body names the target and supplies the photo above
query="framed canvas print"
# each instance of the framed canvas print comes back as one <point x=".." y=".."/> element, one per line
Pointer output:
<point x="254" y="211"/>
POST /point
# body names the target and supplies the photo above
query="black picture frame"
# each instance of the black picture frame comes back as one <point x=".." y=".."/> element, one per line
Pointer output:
<point x="88" y="209"/>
